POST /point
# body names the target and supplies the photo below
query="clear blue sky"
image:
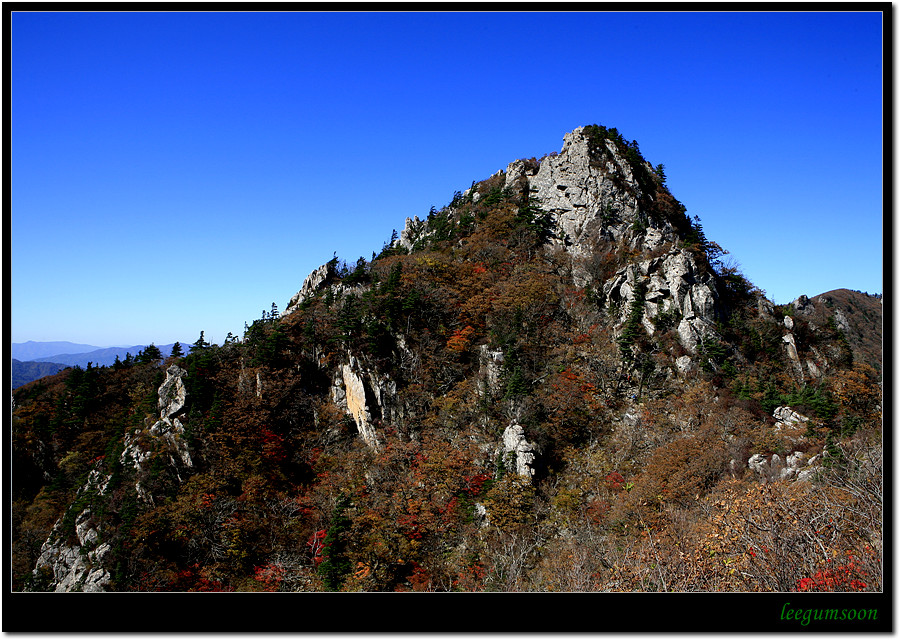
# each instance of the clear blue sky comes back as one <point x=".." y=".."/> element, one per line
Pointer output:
<point x="179" y="172"/>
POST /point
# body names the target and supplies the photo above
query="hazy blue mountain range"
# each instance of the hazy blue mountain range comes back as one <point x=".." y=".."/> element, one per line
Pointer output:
<point x="107" y="356"/>
<point x="32" y="350"/>
<point x="25" y="368"/>
<point x="23" y="372"/>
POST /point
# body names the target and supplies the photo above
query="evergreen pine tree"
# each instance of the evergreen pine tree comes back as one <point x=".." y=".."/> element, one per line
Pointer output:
<point x="200" y="345"/>
<point x="336" y="565"/>
<point x="150" y="354"/>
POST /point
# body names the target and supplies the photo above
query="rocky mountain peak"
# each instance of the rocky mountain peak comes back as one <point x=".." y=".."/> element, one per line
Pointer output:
<point x="598" y="187"/>
<point x="556" y="356"/>
<point x="600" y="196"/>
<point x="603" y="196"/>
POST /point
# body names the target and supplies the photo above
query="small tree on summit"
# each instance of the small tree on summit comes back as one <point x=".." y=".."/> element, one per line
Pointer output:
<point x="177" y="351"/>
<point x="200" y="345"/>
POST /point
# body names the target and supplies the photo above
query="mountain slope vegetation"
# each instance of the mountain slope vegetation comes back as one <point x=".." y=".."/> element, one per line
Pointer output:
<point x="554" y="383"/>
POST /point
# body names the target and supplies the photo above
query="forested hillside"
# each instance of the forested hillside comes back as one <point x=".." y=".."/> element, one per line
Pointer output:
<point x="23" y="372"/>
<point x="556" y="382"/>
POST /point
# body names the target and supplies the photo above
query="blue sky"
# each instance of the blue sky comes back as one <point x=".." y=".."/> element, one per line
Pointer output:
<point x="179" y="172"/>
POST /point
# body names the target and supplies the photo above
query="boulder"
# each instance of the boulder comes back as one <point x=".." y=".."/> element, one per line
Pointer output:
<point x="685" y="365"/>
<point x="785" y="416"/>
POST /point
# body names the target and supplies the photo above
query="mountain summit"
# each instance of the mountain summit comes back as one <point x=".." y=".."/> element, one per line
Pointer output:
<point x="554" y="382"/>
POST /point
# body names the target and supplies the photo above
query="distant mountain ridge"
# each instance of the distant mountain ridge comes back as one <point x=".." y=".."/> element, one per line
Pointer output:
<point x="33" y="350"/>
<point x="28" y="367"/>
<point x="105" y="356"/>
<point x="24" y="372"/>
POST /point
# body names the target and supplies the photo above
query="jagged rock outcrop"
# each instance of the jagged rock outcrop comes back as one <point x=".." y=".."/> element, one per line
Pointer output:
<point x="790" y="347"/>
<point x="785" y="416"/>
<point x="172" y="403"/>
<point x="590" y="195"/>
<point x="674" y="291"/>
<point x="76" y="566"/>
<point x="595" y="197"/>
<point x="685" y="365"/>
<point x="490" y="368"/>
<point x="410" y="233"/>
<point x="796" y="466"/>
<point x="314" y="282"/>
<point x="165" y="435"/>
<point x="72" y="556"/>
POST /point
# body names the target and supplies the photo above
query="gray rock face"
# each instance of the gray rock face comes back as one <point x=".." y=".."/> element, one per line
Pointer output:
<point x="410" y="233"/>
<point x="786" y="416"/>
<point x="796" y="466"/>
<point x="167" y="433"/>
<point x="596" y="198"/>
<point x="314" y="282"/>
<point x="803" y="306"/>
<point x="490" y="367"/>
<point x="76" y="564"/>
<point x="172" y="393"/>
<point x="517" y="452"/>
<point x="73" y="567"/>
<point x="765" y="307"/>
<point x="685" y="365"/>
<point x="676" y="288"/>
<point x="814" y="371"/>
<point x="840" y="320"/>
<point x="790" y="347"/>
<point x="355" y="397"/>
<point x="758" y="464"/>
<point x="585" y="194"/>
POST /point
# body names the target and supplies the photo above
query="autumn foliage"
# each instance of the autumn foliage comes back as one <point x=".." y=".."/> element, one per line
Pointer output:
<point x="641" y="478"/>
